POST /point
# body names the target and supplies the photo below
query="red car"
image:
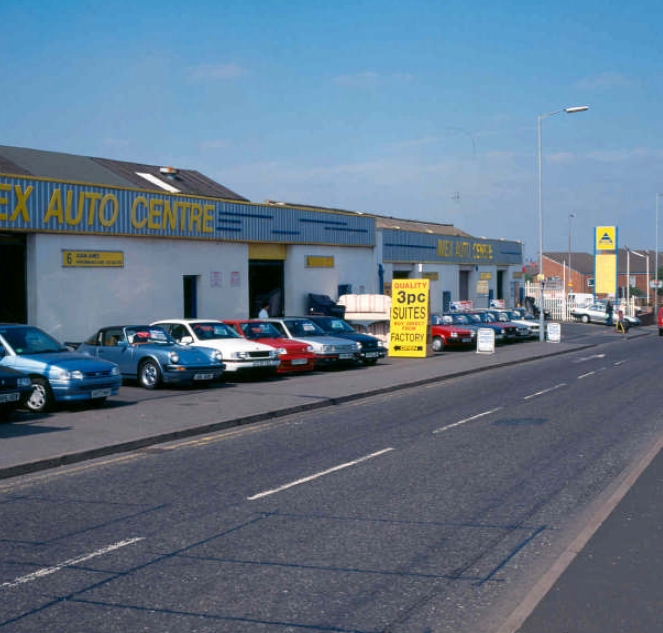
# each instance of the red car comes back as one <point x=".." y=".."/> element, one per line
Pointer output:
<point x="659" y="319"/>
<point x="295" y="356"/>
<point x="444" y="333"/>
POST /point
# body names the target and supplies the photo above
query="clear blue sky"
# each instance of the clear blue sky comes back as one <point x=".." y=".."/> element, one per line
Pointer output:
<point x="380" y="106"/>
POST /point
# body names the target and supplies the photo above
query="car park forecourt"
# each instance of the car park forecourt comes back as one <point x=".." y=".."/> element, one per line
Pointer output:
<point x="239" y="354"/>
<point x="370" y="347"/>
<point x="57" y="374"/>
<point x="149" y="355"/>
<point x="15" y="389"/>
<point x="295" y="356"/>
<point x="329" y="350"/>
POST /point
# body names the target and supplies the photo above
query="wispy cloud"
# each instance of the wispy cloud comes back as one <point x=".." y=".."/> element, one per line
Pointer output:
<point x="216" y="72"/>
<point x="370" y="79"/>
<point x="605" y="80"/>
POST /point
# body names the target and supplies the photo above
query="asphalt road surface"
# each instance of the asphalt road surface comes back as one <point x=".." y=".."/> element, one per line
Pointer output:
<point x="429" y="510"/>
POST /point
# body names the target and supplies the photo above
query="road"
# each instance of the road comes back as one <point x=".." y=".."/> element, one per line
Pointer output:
<point x="432" y="509"/>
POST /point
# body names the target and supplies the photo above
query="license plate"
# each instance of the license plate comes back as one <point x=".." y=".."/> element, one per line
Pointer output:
<point x="262" y="363"/>
<point x="299" y="361"/>
<point x="371" y="354"/>
<point x="466" y="340"/>
<point x="345" y="356"/>
<point x="100" y="393"/>
<point x="9" y="397"/>
<point x="203" y="376"/>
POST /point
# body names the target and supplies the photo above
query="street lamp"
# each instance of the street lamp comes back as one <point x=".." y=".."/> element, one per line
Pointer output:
<point x="658" y="195"/>
<point x="571" y="110"/>
<point x="570" y="282"/>
<point x="646" y="257"/>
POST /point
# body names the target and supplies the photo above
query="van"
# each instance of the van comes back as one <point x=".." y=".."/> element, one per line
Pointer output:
<point x="580" y="299"/>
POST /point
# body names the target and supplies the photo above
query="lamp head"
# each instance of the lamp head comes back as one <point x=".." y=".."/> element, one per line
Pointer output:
<point x="576" y="109"/>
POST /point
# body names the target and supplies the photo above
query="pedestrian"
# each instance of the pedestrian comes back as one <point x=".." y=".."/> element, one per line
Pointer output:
<point x="264" y="311"/>
<point x="608" y="313"/>
<point x="620" y="326"/>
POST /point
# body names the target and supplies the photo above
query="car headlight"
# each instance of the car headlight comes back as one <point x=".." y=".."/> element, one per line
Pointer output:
<point x="361" y="345"/>
<point x="115" y="371"/>
<point x="454" y="335"/>
<point x="217" y="356"/>
<point x="23" y="382"/>
<point x="174" y="357"/>
<point x="281" y="351"/>
<point x="327" y="349"/>
<point x="64" y="374"/>
<point x="310" y="349"/>
<point x="240" y="355"/>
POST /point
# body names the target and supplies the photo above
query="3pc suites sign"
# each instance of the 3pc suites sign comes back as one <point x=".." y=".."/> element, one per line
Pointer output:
<point x="409" y="323"/>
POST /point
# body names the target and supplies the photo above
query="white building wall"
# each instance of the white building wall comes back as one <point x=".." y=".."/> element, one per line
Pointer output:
<point x="355" y="266"/>
<point x="71" y="303"/>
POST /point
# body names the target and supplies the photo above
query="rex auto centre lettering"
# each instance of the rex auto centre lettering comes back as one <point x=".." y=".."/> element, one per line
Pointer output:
<point x="59" y="206"/>
<point x="464" y="250"/>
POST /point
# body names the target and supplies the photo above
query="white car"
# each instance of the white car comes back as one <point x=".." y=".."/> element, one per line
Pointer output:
<point x="596" y="313"/>
<point x="239" y="354"/>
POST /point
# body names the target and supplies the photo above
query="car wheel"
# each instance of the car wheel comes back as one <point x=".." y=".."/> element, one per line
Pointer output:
<point x="584" y="318"/>
<point x="149" y="375"/>
<point x="660" y="332"/>
<point x="41" y="398"/>
<point x="438" y="344"/>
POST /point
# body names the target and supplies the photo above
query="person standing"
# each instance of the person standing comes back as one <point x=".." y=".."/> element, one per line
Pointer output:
<point x="608" y="313"/>
<point x="264" y="311"/>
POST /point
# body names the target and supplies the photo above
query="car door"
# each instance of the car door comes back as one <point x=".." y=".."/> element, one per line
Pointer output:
<point x="113" y="346"/>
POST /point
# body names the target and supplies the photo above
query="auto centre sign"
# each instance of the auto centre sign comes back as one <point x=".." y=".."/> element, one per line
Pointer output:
<point x="32" y="204"/>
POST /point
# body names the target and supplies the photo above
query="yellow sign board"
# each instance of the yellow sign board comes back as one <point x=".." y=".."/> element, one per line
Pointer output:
<point x="409" y="322"/>
<point x="606" y="238"/>
<point x="606" y="274"/>
<point x="93" y="259"/>
<point x="320" y="261"/>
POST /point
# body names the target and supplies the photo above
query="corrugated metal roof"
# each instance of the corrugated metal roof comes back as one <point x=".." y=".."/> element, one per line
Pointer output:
<point x="386" y="222"/>
<point x="103" y="171"/>
<point x="186" y="181"/>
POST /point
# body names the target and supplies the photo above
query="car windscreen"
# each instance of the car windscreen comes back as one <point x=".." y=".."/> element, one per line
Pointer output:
<point x="257" y="330"/>
<point x="30" y="340"/>
<point x="142" y="334"/>
<point x="213" y="330"/>
<point x="304" y="327"/>
<point x="333" y="325"/>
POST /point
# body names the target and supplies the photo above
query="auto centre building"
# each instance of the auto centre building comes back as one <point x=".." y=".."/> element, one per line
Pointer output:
<point x="87" y="242"/>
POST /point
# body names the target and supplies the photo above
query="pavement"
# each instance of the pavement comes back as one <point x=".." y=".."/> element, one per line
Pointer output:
<point x="608" y="580"/>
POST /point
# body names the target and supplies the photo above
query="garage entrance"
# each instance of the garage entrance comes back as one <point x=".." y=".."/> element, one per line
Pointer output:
<point x="266" y="278"/>
<point x="13" y="298"/>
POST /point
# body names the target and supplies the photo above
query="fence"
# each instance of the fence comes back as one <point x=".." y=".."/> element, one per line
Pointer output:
<point x="556" y="301"/>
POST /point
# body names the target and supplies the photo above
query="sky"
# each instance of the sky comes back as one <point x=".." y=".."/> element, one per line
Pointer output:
<point x="424" y="110"/>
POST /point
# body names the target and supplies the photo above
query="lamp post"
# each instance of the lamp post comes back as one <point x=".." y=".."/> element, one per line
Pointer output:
<point x="646" y="257"/>
<point x="571" y="110"/>
<point x="658" y="195"/>
<point x="570" y="282"/>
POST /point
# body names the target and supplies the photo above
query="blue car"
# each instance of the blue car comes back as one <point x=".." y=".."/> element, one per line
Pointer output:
<point x="15" y="389"/>
<point x="148" y="354"/>
<point x="57" y="374"/>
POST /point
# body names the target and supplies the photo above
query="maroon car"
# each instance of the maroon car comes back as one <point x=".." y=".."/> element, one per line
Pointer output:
<point x="295" y="356"/>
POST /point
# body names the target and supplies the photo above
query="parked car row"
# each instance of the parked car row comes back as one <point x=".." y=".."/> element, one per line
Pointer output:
<point x="38" y="371"/>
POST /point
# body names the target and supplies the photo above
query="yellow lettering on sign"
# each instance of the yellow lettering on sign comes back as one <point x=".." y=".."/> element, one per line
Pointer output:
<point x="154" y="216"/>
<point x="4" y="215"/>
<point x="55" y="209"/>
<point x="136" y="222"/>
<point x="108" y="200"/>
<point x="21" y="203"/>
<point x="208" y="218"/>
<point x="462" y="249"/>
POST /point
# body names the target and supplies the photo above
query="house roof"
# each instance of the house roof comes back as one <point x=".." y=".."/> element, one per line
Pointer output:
<point x="584" y="262"/>
<point x="112" y="173"/>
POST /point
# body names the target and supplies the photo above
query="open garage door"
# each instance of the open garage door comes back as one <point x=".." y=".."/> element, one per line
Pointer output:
<point x="13" y="295"/>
